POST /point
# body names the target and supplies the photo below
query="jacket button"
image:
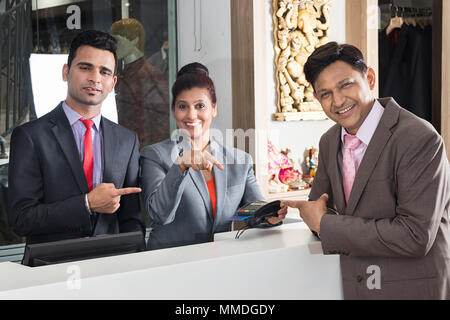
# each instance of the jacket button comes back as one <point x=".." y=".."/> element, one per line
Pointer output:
<point x="359" y="278"/>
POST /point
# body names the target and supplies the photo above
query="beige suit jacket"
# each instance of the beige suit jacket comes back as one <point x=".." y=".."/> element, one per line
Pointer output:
<point x="394" y="234"/>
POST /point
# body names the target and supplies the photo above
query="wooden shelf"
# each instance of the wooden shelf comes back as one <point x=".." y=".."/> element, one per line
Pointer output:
<point x="298" y="195"/>
<point x="300" y="116"/>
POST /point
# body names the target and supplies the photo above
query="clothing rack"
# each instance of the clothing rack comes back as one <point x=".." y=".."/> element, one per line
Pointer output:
<point x="390" y="10"/>
<point x="409" y="12"/>
<point x="405" y="61"/>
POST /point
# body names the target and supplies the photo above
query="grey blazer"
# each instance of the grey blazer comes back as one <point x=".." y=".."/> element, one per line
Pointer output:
<point x="397" y="217"/>
<point x="179" y="205"/>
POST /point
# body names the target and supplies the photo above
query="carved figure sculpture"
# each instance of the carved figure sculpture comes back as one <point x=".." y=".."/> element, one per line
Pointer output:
<point x="300" y="27"/>
<point x="283" y="38"/>
<point x="286" y="100"/>
<point x="307" y="22"/>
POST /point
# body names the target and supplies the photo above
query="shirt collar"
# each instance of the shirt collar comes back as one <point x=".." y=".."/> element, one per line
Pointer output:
<point x="74" y="116"/>
<point x="370" y="124"/>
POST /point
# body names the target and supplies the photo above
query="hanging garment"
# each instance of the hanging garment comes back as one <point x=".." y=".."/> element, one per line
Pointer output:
<point x="405" y="68"/>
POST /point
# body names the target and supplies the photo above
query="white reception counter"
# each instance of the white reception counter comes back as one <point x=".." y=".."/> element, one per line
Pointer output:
<point x="284" y="262"/>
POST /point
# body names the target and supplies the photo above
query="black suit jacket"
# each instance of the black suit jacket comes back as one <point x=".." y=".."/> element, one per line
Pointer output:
<point x="405" y="69"/>
<point x="47" y="185"/>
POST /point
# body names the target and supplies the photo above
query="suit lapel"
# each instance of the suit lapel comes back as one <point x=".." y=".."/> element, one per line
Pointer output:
<point x="335" y="172"/>
<point x="374" y="150"/>
<point x="64" y="136"/>
<point x="220" y="179"/>
<point x="200" y="183"/>
<point x="109" y="150"/>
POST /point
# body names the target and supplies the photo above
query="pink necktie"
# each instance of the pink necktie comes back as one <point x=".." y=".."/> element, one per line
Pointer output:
<point x="348" y="163"/>
<point x="88" y="161"/>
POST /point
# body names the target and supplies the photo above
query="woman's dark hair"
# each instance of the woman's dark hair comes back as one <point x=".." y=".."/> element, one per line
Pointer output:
<point x="194" y="67"/>
<point x="93" y="38"/>
<point x="193" y="75"/>
<point x="329" y="53"/>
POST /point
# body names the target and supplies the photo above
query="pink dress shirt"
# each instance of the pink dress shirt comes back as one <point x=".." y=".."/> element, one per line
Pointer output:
<point x="365" y="133"/>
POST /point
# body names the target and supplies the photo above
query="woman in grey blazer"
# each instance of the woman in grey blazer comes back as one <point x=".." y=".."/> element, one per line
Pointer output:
<point x="192" y="184"/>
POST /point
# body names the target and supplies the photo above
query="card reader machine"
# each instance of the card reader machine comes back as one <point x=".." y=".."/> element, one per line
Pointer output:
<point x="255" y="212"/>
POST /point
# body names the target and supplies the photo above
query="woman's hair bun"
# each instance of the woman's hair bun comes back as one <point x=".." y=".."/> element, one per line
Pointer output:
<point x="193" y="75"/>
<point x="194" y="67"/>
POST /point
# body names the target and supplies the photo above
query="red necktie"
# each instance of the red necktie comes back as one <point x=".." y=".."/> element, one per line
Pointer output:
<point x="348" y="163"/>
<point x="88" y="161"/>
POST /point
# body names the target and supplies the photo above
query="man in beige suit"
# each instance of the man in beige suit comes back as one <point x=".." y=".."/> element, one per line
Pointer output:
<point x="383" y="202"/>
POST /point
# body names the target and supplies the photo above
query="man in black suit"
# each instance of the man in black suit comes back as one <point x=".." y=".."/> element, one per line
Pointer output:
<point x="66" y="178"/>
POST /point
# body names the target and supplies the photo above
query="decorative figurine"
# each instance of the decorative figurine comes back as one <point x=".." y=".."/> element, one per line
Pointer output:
<point x="291" y="176"/>
<point x="282" y="174"/>
<point x="311" y="162"/>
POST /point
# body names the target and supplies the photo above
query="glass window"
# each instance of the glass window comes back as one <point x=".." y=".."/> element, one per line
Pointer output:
<point x="35" y="36"/>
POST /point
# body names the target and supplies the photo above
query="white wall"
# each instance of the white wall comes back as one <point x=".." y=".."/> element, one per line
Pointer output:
<point x="204" y="35"/>
<point x="297" y="136"/>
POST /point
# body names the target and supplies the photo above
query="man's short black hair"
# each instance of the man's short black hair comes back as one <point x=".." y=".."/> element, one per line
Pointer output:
<point x="94" y="38"/>
<point x="329" y="53"/>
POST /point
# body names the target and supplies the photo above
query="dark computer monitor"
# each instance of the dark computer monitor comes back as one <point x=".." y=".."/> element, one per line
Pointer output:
<point x="42" y="254"/>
